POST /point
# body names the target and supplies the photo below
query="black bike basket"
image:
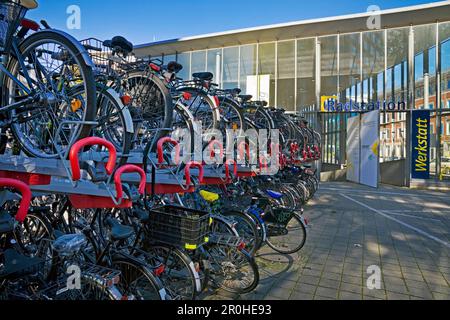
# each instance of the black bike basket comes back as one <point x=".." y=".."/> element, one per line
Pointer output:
<point x="11" y="14"/>
<point x="179" y="227"/>
<point x="279" y="216"/>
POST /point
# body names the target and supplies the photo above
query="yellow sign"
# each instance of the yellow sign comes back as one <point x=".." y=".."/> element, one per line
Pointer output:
<point x="324" y="100"/>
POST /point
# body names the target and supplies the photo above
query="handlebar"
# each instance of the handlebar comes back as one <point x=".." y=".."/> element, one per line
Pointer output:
<point x="92" y="141"/>
<point x="161" y="143"/>
<point x="128" y="169"/>
<point x="187" y="172"/>
<point x="26" y="196"/>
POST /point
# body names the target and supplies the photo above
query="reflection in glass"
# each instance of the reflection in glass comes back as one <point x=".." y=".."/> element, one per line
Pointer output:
<point x="184" y="60"/>
<point x="248" y="68"/>
<point x="230" y="68"/>
<point x="266" y="73"/>
<point x="214" y="60"/>
<point x="286" y="75"/>
<point x="198" y="62"/>
<point x="306" y="52"/>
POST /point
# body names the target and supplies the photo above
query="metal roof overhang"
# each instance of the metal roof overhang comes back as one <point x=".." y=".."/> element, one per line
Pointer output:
<point x="394" y="18"/>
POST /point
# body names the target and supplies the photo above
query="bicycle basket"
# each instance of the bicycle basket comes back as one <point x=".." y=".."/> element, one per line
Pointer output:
<point x="11" y="14"/>
<point x="279" y="216"/>
<point x="180" y="227"/>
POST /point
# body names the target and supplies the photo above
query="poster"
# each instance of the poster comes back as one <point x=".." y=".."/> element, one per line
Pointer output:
<point x="420" y="142"/>
<point x="353" y="152"/>
<point x="370" y="142"/>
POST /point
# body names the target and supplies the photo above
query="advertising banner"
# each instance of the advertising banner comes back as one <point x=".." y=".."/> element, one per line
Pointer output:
<point x="420" y="141"/>
<point x="353" y="150"/>
<point x="370" y="142"/>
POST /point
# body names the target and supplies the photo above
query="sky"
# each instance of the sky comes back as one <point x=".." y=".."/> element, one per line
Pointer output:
<point x="144" y="21"/>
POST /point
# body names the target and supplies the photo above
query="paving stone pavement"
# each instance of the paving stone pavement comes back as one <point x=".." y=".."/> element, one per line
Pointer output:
<point x="402" y="233"/>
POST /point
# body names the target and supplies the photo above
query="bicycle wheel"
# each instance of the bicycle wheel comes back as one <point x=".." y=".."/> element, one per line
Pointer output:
<point x="112" y="122"/>
<point x="153" y="107"/>
<point x="202" y="107"/>
<point x="289" y="238"/>
<point x="246" y="228"/>
<point x="231" y="117"/>
<point x="55" y="63"/>
<point x="232" y="269"/>
<point x="137" y="281"/>
<point x="179" y="277"/>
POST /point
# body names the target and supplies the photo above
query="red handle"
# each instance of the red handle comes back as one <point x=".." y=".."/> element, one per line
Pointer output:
<point x="26" y="196"/>
<point x="317" y="152"/>
<point x="244" y="147"/>
<point x="227" y="168"/>
<point x="161" y="144"/>
<point x="211" y="146"/>
<point x="263" y="164"/>
<point x="129" y="168"/>
<point x="187" y="171"/>
<point x="310" y="154"/>
<point x="93" y="141"/>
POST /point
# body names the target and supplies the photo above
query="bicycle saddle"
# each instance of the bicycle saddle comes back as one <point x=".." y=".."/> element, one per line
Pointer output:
<point x="274" y="194"/>
<point x="69" y="244"/>
<point x="174" y="67"/>
<point x="245" y="97"/>
<point x="119" y="231"/>
<point x="120" y="43"/>
<point x="29" y="4"/>
<point x="205" y="76"/>
<point x="209" y="196"/>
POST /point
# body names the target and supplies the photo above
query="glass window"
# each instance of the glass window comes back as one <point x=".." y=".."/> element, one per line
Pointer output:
<point x="286" y="75"/>
<point x="373" y="65"/>
<point x="266" y="73"/>
<point x="231" y="68"/>
<point x="397" y="44"/>
<point x="306" y="88"/>
<point x="184" y="59"/>
<point x="444" y="39"/>
<point x="350" y="65"/>
<point x="198" y="62"/>
<point x="214" y="59"/>
<point x="248" y="69"/>
<point x="329" y="71"/>
<point x="169" y="58"/>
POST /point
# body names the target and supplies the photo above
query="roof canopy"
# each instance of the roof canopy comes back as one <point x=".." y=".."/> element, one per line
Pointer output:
<point x="394" y="18"/>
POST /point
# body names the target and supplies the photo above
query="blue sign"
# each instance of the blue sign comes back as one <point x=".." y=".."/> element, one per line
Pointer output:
<point x="421" y="125"/>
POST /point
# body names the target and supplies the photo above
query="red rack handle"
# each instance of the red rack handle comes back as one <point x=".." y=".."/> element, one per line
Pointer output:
<point x="227" y="168"/>
<point x="92" y="141"/>
<point x="161" y="144"/>
<point x="317" y="152"/>
<point x="263" y="164"/>
<point x="26" y="196"/>
<point x="244" y="148"/>
<point x="129" y="168"/>
<point x="211" y="146"/>
<point x="187" y="171"/>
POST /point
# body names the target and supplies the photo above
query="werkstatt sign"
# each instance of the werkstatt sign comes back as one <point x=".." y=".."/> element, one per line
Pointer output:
<point x="420" y="144"/>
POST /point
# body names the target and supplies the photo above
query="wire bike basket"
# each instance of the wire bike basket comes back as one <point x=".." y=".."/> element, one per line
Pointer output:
<point x="11" y="14"/>
<point x="180" y="227"/>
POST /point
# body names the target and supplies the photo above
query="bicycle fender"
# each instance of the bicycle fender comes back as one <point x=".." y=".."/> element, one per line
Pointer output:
<point x="84" y="53"/>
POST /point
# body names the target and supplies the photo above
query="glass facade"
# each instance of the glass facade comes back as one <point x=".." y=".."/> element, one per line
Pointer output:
<point x="409" y="65"/>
